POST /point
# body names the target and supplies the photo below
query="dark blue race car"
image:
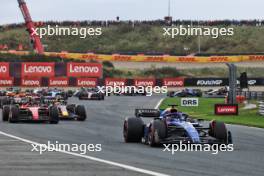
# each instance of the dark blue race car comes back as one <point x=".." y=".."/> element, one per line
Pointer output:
<point x="172" y="126"/>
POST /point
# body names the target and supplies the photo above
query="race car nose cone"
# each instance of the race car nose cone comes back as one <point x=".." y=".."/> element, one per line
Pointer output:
<point x="65" y="113"/>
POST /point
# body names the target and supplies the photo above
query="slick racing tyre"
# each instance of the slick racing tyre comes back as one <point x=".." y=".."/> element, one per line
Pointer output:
<point x="81" y="112"/>
<point x="71" y="108"/>
<point x="4" y="101"/>
<point x="54" y="115"/>
<point x="218" y="130"/>
<point x="14" y="114"/>
<point x="133" y="129"/>
<point x="157" y="132"/>
<point x="5" y="113"/>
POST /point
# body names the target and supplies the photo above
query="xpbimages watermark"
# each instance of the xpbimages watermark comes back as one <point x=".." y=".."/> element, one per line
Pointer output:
<point x="189" y="30"/>
<point x="190" y="147"/>
<point x="148" y="90"/>
<point x="82" y="32"/>
<point x="82" y="149"/>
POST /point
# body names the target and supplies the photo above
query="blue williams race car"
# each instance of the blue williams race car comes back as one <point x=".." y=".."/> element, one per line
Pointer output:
<point x="171" y="126"/>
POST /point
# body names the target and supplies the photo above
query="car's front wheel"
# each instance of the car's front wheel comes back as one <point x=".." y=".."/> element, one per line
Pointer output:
<point x="81" y="112"/>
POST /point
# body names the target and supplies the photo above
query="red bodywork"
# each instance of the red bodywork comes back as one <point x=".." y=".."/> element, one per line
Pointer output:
<point x="34" y="110"/>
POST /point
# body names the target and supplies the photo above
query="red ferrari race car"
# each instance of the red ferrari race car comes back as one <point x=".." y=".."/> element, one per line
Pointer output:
<point x="33" y="112"/>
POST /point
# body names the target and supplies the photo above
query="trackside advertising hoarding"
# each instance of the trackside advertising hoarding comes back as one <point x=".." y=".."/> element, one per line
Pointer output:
<point x="86" y="82"/>
<point x="115" y="82"/>
<point x="226" y="109"/>
<point x="84" y="69"/>
<point x="4" y="69"/>
<point x="38" y="69"/>
<point x="145" y="82"/>
<point x="59" y="82"/>
<point x="173" y="82"/>
<point x="31" y="82"/>
<point x="6" y="82"/>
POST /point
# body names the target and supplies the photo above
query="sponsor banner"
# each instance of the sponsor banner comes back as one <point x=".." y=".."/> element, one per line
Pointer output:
<point x="147" y="58"/>
<point x="84" y="69"/>
<point x="254" y="81"/>
<point x="254" y="58"/>
<point x="120" y="58"/>
<point x="115" y="82"/>
<point x="203" y="82"/>
<point x="31" y="82"/>
<point x="86" y="82"/>
<point x="211" y="82"/>
<point x="173" y="82"/>
<point x="6" y="82"/>
<point x="4" y="69"/>
<point x="189" y="102"/>
<point x="145" y="82"/>
<point x="226" y="109"/>
<point x="58" y="82"/>
<point x="38" y="69"/>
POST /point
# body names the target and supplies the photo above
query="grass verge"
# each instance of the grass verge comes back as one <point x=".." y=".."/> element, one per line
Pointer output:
<point x="205" y="111"/>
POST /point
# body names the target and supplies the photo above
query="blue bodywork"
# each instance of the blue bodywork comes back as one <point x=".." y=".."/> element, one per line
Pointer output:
<point x="178" y="120"/>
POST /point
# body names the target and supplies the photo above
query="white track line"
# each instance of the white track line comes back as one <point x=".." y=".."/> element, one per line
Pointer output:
<point x="157" y="106"/>
<point x="148" y="172"/>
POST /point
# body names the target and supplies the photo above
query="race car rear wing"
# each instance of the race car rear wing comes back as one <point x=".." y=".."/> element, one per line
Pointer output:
<point x="147" y="113"/>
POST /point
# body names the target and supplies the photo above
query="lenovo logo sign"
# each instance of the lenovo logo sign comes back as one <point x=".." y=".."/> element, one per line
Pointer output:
<point x="173" y="82"/>
<point x="60" y="82"/>
<point x="86" y="82"/>
<point x="226" y="109"/>
<point x="115" y="82"/>
<point x="84" y="69"/>
<point x="37" y="69"/>
<point x="30" y="82"/>
<point x="4" y="69"/>
<point x="144" y="82"/>
<point x="6" y="82"/>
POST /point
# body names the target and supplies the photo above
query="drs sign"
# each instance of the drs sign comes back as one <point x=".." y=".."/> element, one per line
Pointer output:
<point x="189" y="102"/>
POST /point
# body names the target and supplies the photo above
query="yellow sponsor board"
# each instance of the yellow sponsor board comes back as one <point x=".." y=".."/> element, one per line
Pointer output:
<point x="148" y="58"/>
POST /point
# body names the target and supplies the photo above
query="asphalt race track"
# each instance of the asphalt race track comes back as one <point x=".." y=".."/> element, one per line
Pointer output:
<point x="104" y="126"/>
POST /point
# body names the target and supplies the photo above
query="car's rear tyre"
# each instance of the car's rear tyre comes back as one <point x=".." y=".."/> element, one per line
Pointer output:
<point x="4" y="101"/>
<point x="157" y="132"/>
<point x="133" y="129"/>
<point x="54" y="115"/>
<point x="81" y="112"/>
<point x="218" y="130"/>
<point x="14" y="114"/>
<point x="5" y="113"/>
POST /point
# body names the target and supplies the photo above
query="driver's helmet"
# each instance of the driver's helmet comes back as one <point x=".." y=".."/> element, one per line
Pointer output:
<point x="173" y="109"/>
<point x="170" y="110"/>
